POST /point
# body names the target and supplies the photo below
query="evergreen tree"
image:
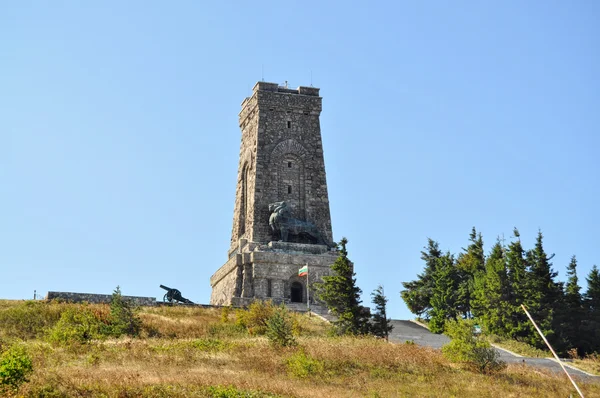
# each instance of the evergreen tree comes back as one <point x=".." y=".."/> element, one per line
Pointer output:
<point x="470" y="264"/>
<point x="544" y="296"/>
<point x="445" y="293"/>
<point x="517" y="325"/>
<point x="280" y="328"/>
<point x="572" y="313"/>
<point x="381" y="325"/>
<point x="591" y="323"/>
<point x="417" y="294"/>
<point x="123" y="319"/>
<point x="491" y="296"/>
<point x="341" y="295"/>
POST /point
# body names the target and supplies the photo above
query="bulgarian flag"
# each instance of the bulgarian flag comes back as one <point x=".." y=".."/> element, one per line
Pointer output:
<point x="303" y="271"/>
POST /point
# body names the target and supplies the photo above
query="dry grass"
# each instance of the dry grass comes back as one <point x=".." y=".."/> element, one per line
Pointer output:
<point x="590" y="364"/>
<point x="192" y="351"/>
<point x="350" y="367"/>
<point x="519" y="347"/>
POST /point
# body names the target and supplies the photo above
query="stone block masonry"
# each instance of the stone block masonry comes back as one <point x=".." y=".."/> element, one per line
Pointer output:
<point x="98" y="298"/>
<point x="281" y="159"/>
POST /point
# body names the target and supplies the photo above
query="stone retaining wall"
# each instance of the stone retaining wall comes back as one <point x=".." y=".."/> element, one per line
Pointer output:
<point x="98" y="298"/>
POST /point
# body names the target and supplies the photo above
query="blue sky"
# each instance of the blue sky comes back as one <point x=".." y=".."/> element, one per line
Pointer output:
<point x="119" y="139"/>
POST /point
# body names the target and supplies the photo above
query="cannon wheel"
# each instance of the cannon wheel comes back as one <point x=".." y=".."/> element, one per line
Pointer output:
<point x="167" y="299"/>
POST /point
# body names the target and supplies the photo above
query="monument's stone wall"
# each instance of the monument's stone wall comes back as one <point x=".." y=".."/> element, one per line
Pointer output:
<point x="98" y="298"/>
<point x="281" y="159"/>
<point x="269" y="272"/>
<point x="226" y="279"/>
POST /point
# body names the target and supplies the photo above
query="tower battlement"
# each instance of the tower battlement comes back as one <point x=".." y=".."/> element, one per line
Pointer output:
<point x="271" y="88"/>
<point x="276" y="88"/>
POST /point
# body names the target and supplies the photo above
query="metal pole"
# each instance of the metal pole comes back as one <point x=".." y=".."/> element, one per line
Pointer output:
<point x="551" y="349"/>
<point x="307" y="292"/>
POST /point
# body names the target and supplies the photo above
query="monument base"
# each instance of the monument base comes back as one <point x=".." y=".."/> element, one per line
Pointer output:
<point x="257" y="271"/>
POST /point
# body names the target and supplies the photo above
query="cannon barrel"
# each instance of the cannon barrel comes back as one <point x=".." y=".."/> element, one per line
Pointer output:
<point x="165" y="287"/>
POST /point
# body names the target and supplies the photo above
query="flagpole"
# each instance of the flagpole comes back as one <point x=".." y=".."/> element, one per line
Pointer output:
<point x="307" y="292"/>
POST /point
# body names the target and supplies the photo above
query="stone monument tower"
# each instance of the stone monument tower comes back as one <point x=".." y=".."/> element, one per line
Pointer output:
<point x="281" y="219"/>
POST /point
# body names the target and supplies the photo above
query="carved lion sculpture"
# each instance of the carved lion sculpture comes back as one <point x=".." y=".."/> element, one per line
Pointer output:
<point x="281" y="221"/>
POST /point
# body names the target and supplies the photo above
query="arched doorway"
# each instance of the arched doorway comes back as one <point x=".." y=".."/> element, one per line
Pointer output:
<point x="296" y="290"/>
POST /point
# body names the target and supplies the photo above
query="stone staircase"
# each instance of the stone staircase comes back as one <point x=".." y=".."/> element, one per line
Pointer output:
<point x="319" y="310"/>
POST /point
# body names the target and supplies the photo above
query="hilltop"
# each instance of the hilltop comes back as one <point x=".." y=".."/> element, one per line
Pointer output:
<point x="207" y="352"/>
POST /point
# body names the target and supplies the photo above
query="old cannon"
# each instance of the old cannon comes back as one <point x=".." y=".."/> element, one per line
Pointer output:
<point x="174" y="295"/>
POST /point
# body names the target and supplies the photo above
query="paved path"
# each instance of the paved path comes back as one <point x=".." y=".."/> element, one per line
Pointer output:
<point x="410" y="331"/>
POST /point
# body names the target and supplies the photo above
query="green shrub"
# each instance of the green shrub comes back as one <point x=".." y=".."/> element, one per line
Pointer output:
<point x="302" y="365"/>
<point x="211" y="345"/>
<point x="77" y="325"/>
<point x="256" y="317"/>
<point x="47" y="391"/>
<point x="29" y="320"/>
<point x="15" y="366"/>
<point x="226" y="330"/>
<point x="469" y="349"/>
<point x="232" y="392"/>
<point x="225" y="311"/>
<point x="280" y="328"/>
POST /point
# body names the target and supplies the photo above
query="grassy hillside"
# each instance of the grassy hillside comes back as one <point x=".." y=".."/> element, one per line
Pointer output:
<point x="195" y="352"/>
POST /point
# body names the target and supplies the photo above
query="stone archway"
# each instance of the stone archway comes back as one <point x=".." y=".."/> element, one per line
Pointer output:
<point x="296" y="292"/>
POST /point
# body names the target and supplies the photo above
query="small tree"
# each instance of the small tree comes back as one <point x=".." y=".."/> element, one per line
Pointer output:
<point x="280" y="328"/>
<point x="342" y="296"/>
<point x="122" y="318"/>
<point x="381" y="326"/>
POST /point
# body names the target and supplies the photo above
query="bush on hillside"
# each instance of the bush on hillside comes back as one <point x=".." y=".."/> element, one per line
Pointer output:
<point x="469" y="349"/>
<point x="15" y="366"/>
<point x="303" y="365"/>
<point x="256" y="317"/>
<point x="78" y="324"/>
<point x="233" y="392"/>
<point x="29" y="319"/>
<point x="225" y="312"/>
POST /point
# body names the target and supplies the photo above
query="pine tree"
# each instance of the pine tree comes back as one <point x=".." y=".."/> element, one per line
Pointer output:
<point x="544" y="296"/>
<point x="417" y="294"/>
<point x="445" y="293"/>
<point x="517" y="325"/>
<point x="381" y="325"/>
<point x="572" y="313"/>
<point x="492" y="292"/>
<point x="470" y="264"/>
<point x="341" y="295"/>
<point x="280" y="328"/>
<point x="123" y="319"/>
<point x="591" y="323"/>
